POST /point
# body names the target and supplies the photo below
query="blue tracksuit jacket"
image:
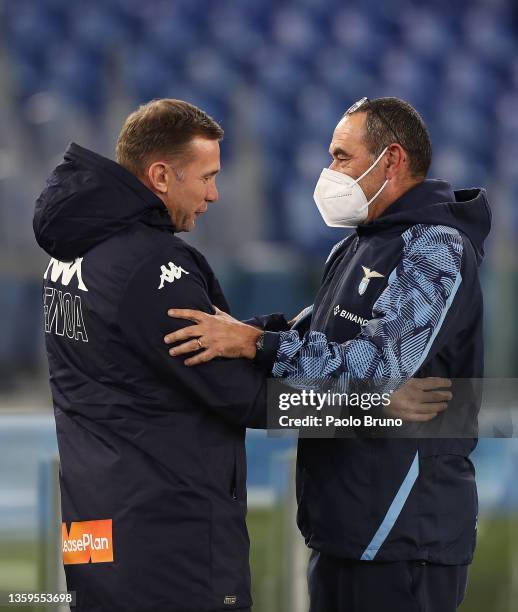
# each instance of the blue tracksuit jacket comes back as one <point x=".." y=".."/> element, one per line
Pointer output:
<point x="419" y="315"/>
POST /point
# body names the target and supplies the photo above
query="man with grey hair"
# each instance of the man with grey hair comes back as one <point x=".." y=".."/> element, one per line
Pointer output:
<point x="391" y="522"/>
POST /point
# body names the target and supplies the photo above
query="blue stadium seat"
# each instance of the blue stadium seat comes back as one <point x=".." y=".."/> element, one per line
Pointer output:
<point x="272" y="121"/>
<point x="27" y="78"/>
<point x="360" y="34"/>
<point x="208" y="70"/>
<point x="458" y="167"/>
<point x="280" y="74"/>
<point x="30" y="29"/>
<point x="96" y="27"/>
<point x="296" y="65"/>
<point x="236" y="35"/>
<point x="463" y="126"/>
<point x="489" y="32"/>
<point x="342" y="76"/>
<point x="172" y="39"/>
<point x="147" y="76"/>
<point x="294" y="30"/>
<point x="319" y="111"/>
<point x="466" y="76"/>
<point x="428" y="33"/>
<point x="409" y="77"/>
<point x="77" y="74"/>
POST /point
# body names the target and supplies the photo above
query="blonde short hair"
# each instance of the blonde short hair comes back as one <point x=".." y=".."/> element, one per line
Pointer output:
<point x="162" y="128"/>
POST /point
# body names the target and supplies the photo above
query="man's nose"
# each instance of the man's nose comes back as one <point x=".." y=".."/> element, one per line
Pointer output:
<point x="212" y="195"/>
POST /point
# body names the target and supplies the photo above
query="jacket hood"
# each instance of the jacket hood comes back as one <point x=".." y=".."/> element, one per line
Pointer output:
<point x="434" y="202"/>
<point x="88" y="198"/>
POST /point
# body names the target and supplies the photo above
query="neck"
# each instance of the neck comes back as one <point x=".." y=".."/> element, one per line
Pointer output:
<point x="388" y="197"/>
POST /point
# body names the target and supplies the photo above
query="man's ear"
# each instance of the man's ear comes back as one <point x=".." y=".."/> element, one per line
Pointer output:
<point x="397" y="160"/>
<point x="158" y="177"/>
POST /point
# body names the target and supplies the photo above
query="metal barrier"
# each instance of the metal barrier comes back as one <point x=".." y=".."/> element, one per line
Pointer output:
<point x="51" y="576"/>
<point x="29" y="507"/>
<point x="292" y="579"/>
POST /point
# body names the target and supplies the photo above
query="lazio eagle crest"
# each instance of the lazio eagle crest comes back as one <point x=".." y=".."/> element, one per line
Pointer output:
<point x="368" y="274"/>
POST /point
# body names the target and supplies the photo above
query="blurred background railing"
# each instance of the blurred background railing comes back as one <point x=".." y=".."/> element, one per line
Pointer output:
<point x="30" y="523"/>
<point x="277" y="75"/>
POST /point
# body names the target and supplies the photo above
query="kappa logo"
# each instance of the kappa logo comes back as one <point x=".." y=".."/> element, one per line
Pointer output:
<point x="170" y="274"/>
<point x="65" y="271"/>
<point x="368" y="274"/>
<point x="87" y="542"/>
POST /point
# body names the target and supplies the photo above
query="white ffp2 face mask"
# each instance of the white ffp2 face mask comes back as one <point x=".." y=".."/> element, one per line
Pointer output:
<point x="339" y="198"/>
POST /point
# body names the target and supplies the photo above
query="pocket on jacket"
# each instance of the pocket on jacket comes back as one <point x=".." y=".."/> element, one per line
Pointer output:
<point x="448" y="490"/>
<point x="220" y="469"/>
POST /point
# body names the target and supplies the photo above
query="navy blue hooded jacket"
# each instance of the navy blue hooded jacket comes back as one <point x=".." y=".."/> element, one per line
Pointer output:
<point x="152" y="452"/>
<point x="400" y="298"/>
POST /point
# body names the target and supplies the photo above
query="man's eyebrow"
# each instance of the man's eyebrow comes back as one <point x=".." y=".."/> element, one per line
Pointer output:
<point x="334" y="151"/>
<point x="213" y="173"/>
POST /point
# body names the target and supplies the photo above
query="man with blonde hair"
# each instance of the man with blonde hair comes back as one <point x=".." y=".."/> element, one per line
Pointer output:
<point x="153" y="472"/>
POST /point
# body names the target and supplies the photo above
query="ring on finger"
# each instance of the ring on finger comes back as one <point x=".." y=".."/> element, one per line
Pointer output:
<point x="198" y="340"/>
